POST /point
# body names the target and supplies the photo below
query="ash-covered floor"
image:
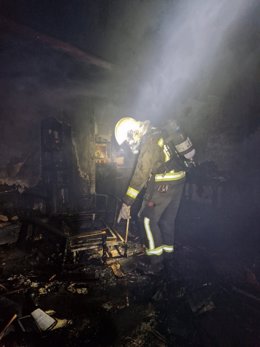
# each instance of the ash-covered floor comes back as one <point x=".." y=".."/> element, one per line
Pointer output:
<point x="209" y="295"/>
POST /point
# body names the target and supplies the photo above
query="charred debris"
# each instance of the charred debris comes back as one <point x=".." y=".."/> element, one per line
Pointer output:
<point x="71" y="276"/>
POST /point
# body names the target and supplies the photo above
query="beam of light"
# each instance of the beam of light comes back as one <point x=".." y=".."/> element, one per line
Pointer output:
<point x="189" y="45"/>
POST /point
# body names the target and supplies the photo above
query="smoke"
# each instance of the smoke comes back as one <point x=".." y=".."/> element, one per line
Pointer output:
<point x="188" y="47"/>
<point x="170" y="56"/>
<point x="166" y="55"/>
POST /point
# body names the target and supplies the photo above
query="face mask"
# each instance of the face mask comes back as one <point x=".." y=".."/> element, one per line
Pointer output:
<point x="134" y="140"/>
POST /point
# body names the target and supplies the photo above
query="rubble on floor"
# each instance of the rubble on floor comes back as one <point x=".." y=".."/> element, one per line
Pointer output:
<point x="111" y="300"/>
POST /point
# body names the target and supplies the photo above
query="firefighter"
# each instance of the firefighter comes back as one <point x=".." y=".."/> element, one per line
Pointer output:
<point x="163" y="158"/>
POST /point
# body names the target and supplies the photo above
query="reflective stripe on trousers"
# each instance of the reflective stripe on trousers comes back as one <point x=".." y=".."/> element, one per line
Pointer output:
<point x="152" y="250"/>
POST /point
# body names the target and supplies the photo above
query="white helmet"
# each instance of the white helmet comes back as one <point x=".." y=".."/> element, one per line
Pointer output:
<point x="130" y="130"/>
<point x="123" y="127"/>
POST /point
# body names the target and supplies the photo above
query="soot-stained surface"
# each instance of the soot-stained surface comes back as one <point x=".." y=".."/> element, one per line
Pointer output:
<point x="207" y="295"/>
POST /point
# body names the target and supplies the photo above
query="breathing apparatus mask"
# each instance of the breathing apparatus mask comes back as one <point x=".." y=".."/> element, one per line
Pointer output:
<point x="131" y="131"/>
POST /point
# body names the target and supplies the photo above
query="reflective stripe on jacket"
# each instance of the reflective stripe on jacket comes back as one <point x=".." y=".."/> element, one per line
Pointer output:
<point x="169" y="176"/>
<point x="152" y="155"/>
<point x="132" y="193"/>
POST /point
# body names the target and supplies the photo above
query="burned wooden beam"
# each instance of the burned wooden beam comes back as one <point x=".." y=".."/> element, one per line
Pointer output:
<point x="246" y="294"/>
<point x="56" y="44"/>
<point x="7" y="325"/>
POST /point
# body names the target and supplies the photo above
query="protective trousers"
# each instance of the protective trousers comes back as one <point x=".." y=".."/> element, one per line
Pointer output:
<point x="158" y="215"/>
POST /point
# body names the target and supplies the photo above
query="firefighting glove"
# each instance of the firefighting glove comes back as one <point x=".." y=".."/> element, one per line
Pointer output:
<point x="124" y="212"/>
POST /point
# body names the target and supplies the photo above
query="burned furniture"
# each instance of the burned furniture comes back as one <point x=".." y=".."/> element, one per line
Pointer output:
<point x="88" y="234"/>
<point x="63" y="239"/>
<point x="59" y="172"/>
